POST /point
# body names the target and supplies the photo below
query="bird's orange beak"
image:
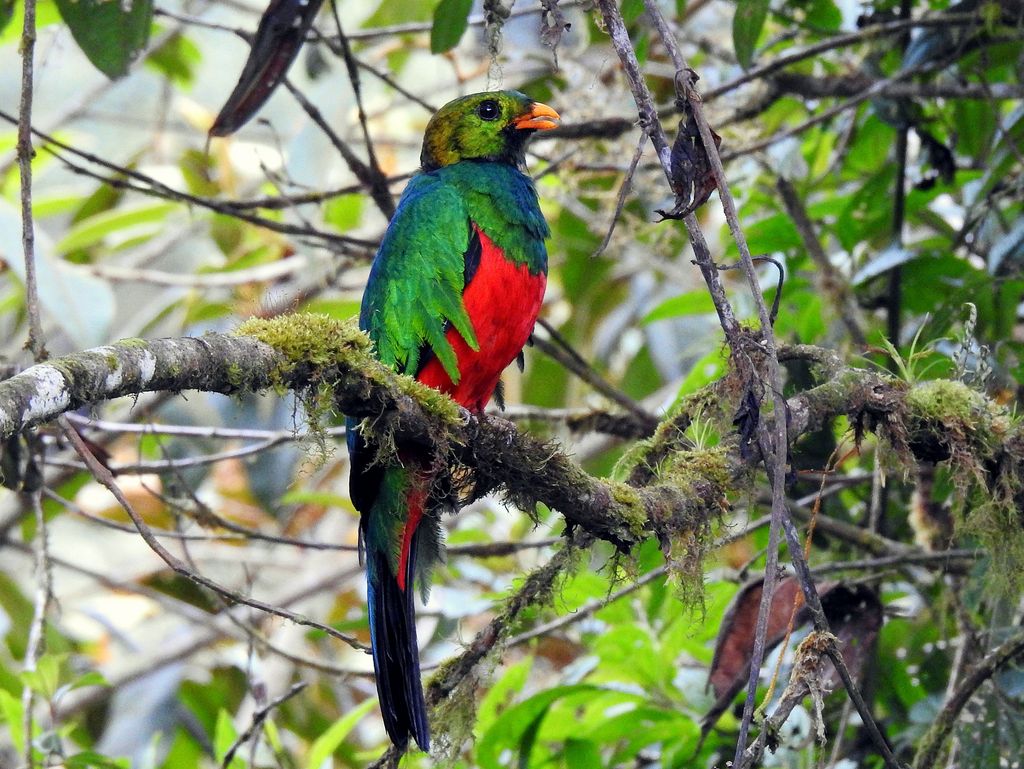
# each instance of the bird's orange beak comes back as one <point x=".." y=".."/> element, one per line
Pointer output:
<point x="540" y="117"/>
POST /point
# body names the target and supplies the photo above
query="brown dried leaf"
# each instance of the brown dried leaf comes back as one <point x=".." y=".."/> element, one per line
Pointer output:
<point x="692" y="178"/>
<point x="279" y="37"/>
<point x="854" y="614"/>
<point x="554" y="26"/>
<point x="735" y="642"/>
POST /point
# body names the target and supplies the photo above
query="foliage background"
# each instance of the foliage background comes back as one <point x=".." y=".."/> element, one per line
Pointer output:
<point x="884" y="173"/>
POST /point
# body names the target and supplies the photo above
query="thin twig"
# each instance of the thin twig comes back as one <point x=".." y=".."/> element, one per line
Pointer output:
<point x="278" y="202"/>
<point x="103" y="475"/>
<point x="941" y="561"/>
<point x="620" y="201"/>
<point x="586" y="610"/>
<point x="168" y="465"/>
<point x="964" y="652"/>
<point x="260" y="273"/>
<point x="476" y="20"/>
<point x="35" y="341"/>
<point x="596" y="605"/>
<point x="874" y="91"/>
<point x="459" y="670"/>
<point x="372" y="177"/>
<point x="561" y="350"/>
<point x="36" y="344"/>
<point x="258" y="718"/>
<point x="379" y="190"/>
<point x="813" y="602"/>
<point x="804" y="679"/>
<point x="649" y="120"/>
<point x="830" y="281"/>
<point x="209" y="628"/>
<point x="36" y="635"/>
<point x="942" y="725"/>
<point x="866" y="34"/>
<point x="774" y="445"/>
<point x="148" y="185"/>
<point x="894" y="294"/>
<point x="197" y="431"/>
<point x="386" y="78"/>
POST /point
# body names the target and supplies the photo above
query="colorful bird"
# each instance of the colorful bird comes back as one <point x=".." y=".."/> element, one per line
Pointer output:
<point x="452" y="297"/>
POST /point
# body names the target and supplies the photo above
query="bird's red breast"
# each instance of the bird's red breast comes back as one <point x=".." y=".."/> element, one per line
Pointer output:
<point x="502" y="301"/>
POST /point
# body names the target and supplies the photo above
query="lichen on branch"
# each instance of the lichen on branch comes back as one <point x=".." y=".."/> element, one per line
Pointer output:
<point x="674" y="499"/>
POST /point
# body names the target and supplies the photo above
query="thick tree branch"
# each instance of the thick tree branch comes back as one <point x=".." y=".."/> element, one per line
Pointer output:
<point x="528" y="469"/>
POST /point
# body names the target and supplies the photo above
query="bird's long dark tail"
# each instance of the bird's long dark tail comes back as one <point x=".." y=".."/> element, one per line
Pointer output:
<point x="396" y="659"/>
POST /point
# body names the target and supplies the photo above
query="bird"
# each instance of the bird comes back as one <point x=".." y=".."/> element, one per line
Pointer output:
<point x="452" y="297"/>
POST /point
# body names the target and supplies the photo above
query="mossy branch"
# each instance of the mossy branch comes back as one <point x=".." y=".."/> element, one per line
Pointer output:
<point x="310" y="353"/>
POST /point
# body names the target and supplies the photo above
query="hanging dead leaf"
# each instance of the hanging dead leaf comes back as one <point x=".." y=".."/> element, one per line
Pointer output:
<point x="734" y="645"/>
<point x="553" y="27"/>
<point x="746" y="421"/>
<point x="279" y="37"/>
<point x="692" y="178"/>
<point x="854" y="614"/>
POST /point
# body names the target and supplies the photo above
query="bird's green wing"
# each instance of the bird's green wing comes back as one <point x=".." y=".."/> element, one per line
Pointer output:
<point x="414" y="293"/>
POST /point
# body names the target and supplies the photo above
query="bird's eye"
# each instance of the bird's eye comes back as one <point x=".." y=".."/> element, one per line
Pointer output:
<point x="488" y="110"/>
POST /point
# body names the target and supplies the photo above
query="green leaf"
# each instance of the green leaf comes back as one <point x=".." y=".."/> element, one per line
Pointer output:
<point x="342" y="309"/>
<point x="6" y="12"/>
<point x="177" y="60"/>
<point x="110" y="36"/>
<point x="582" y="754"/>
<point x="273" y="736"/>
<point x="631" y="10"/>
<point x="91" y="231"/>
<point x="345" y="212"/>
<point x="92" y="678"/>
<point x="691" y="303"/>
<point x="314" y="497"/>
<point x="746" y="28"/>
<point x="772" y="234"/>
<point x="224" y="736"/>
<point x="516" y="728"/>
<point x="13" y="714"/>
<point x="389" y="12"/>
<point x="10" y="30"/>
<point x="824" y="15"/>
<point x="46" y="677"/>
<point x="513" y="680"/>
<point x="90" y="760"/>
<point x="707" y="369"/>
<point x="329" y="741"/>
<point x="185" y="752"/>
<point x="451" y="17"/>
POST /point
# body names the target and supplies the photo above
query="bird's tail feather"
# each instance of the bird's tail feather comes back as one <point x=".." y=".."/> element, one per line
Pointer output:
<point x="396" y="659"/>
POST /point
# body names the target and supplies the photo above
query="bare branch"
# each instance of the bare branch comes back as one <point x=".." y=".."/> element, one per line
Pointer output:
<point x="36" y="635"/>
<point x="127" y="178"/>
<point x="103" y="475"/>
<point x="25" y="152"/>
<point x="257" y="721"/>
<point x="931" y="745"/>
